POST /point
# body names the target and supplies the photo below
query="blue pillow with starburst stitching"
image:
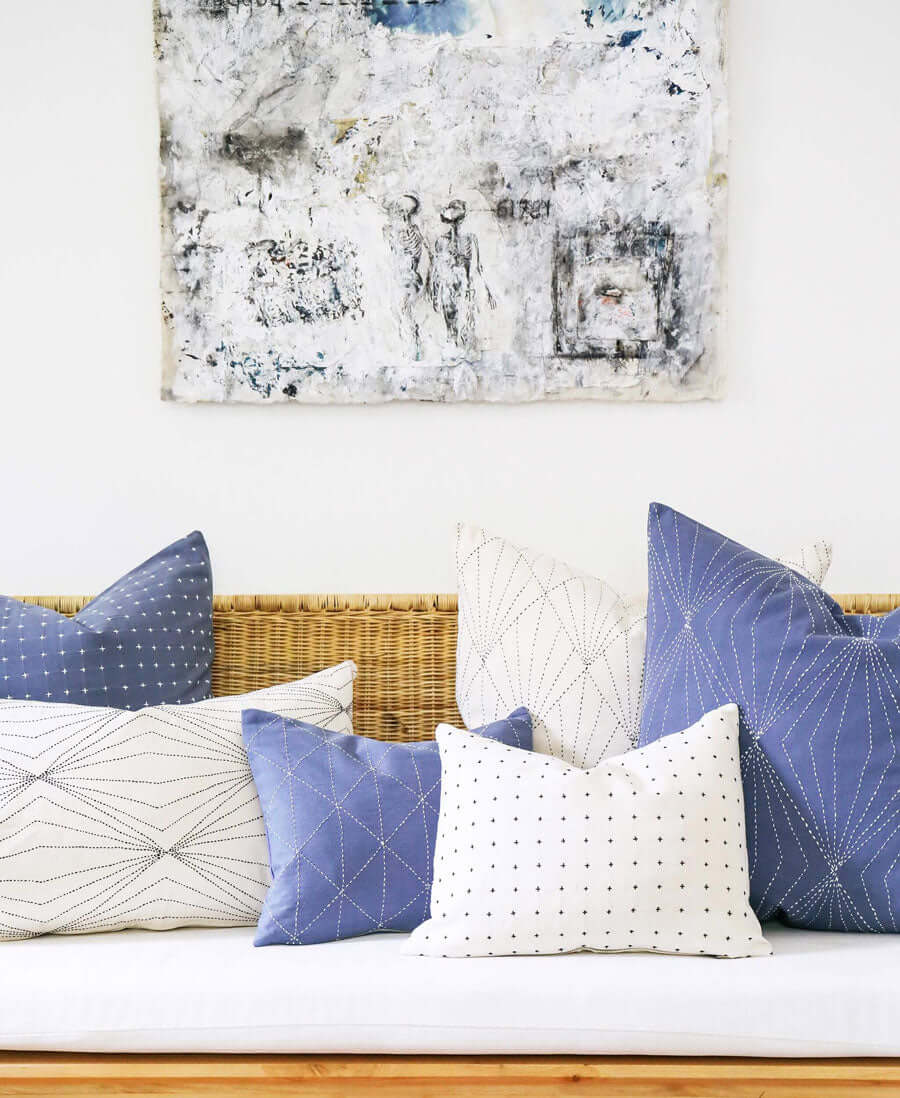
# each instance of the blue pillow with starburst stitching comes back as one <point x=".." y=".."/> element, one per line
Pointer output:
<point x="819" y="697"/>
<point x="351" y="824"/>
<point x="146" y="640"/>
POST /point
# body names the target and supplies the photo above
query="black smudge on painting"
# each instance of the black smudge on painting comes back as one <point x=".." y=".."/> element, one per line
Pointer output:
<point x="263" y="152"/>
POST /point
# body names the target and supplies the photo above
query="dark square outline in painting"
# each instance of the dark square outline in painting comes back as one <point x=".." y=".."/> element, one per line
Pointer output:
<point x="649" y="249"/>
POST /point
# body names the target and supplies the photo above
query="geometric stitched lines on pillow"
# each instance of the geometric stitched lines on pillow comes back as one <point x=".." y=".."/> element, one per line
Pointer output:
<point x="351" y="824"/>
<point x="534" y="632"/>
<point x="819" y="697"/>
<point x="112" y="819"/>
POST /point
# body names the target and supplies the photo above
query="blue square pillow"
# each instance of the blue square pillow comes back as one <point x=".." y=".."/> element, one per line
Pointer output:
<point x="351" y="824"/>
<point x="819" y="697"/>
<point x="147" y="640"/>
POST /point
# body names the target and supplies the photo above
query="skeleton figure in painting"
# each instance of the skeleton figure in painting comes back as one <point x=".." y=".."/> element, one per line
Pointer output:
<point x="455" y="274"/>
<point x="410" y="254"/>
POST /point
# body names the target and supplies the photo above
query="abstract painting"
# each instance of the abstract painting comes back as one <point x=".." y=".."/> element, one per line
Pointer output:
<point x="370" y="200"/>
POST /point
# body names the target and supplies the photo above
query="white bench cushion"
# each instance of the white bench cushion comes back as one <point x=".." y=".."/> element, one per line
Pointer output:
<point x="196" y="990"/>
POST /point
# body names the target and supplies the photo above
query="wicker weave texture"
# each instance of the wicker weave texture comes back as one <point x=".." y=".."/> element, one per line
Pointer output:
<point x="404" y="646"/>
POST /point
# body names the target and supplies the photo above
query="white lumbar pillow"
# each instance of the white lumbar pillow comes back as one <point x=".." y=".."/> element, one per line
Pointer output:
<point x="112" y="819"/>
<point x="646" y="851"/>
<point x="534" y="632"/>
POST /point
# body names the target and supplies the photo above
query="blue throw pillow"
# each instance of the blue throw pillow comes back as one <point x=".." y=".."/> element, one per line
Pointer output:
<point x="351" y="824"/>
<point x="147" y="640"/>
<point x="819" y="696"/>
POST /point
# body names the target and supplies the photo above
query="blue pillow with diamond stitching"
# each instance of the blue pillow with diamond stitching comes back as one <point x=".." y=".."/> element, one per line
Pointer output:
<point x="351" y="824"/>
<point x="819" y="698"/>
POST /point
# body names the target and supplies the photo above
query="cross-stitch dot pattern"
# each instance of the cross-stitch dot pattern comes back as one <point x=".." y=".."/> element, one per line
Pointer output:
<point x="644" y="852"/>
<point x="146" y="640"/>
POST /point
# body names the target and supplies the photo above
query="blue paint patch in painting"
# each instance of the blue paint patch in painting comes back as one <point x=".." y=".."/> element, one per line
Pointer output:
<point x="611" y="10"/>
<point x="424" y="17"/>
<point x="630" y="36"/>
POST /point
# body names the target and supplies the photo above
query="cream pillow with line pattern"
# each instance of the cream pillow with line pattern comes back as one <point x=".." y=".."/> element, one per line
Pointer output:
<point x="111" y="818"/>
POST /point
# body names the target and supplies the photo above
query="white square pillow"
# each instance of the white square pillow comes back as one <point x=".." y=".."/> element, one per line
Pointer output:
<point x="646" y="851"/>
<point x="112" y="819"/>
<point x="534" y="632"/>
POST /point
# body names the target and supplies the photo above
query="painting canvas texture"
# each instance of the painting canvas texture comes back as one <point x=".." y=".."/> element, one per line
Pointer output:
<point x="442" y="200"/>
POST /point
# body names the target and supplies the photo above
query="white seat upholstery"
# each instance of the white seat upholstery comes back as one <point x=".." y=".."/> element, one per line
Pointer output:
<point x="211" y="991"/>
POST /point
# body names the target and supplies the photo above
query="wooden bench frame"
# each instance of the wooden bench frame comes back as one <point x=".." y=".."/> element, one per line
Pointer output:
<point x="439" y="1076"/>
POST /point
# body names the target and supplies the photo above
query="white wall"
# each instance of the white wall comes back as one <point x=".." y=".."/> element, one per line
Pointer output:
<point x="96" y="472"/>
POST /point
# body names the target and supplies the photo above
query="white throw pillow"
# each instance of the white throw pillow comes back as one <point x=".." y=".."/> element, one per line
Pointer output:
<point x="644" y="852"/>
<point x="534" y="632"/>
<point x="112" y="819"/>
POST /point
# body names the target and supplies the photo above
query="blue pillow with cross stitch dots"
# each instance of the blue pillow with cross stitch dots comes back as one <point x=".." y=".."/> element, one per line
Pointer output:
<point x="146" y="640"/>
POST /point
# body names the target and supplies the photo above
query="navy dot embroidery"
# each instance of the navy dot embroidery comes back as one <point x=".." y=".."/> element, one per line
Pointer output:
<point x="628" y="856"/>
